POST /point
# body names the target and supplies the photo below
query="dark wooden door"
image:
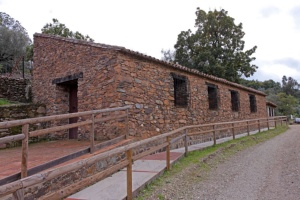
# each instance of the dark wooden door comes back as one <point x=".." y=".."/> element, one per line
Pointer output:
<point x="73" y="107"/>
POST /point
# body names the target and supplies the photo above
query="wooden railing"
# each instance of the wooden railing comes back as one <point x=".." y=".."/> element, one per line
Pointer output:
<point x="26" y="134"/>
<point x="165" y="141"/>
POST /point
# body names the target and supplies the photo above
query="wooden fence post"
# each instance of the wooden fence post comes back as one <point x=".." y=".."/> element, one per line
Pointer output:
<point x="287" y="122"/>
<point x="129" y="174"/>
<point x="275" y="121"/>
<point x="248" y="131"/>
<point x="92" y="135"/>
<point x="258" y="124"/>
<point x="233" y="133"/>
<point x="168" y="154"/>
<point x="24" y="164"/>
<point x="268" y="124"/>
<point x="186" y="142"/>
<point x="127" y="125"/>
<point x="214" y="134"/>
<point x="281" y="119"/>
<point x="18" y="195"/>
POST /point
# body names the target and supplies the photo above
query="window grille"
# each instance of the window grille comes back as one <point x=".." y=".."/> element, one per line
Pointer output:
<point x="252" y="99"/>
<point x="212" y="97"/>
<point x="180" y="90"/>
<point x="235" y="102"/>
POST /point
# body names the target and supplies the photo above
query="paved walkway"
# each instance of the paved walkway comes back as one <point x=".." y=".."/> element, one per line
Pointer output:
<point x="144" y="171"/>
<point x="39" y="153"/>
<point x="43" y="152"/>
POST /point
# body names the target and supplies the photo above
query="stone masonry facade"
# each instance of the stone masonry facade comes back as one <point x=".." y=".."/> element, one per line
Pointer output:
<point x="114" y="76"/>
<point x="17" y="112"/>
<point x="15" y="89"/>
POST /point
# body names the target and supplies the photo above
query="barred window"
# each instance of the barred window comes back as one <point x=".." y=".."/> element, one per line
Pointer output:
<point x="252" y="99"/>
<point x="180" y="90"/>
<point x="235" y="101"/>
<point x="212" y="97"/>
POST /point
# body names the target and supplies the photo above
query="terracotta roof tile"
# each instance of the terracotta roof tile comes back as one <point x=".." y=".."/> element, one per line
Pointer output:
<point x="271" y="104"/>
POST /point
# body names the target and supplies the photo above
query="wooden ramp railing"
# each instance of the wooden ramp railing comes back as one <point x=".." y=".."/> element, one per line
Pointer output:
<point x="131" y="153"/>
<point x="26" y="134"/>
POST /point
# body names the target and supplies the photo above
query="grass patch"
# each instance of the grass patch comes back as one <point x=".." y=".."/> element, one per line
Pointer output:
<point x="204" y="160"/>
<point x="4" y="102"/>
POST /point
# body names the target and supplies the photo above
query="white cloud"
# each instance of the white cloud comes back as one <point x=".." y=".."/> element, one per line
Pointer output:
<point x="276" y="69"/>
<point x="149" y="26"/>
<point x="295" y="12"/>
<point x="269" y="11"/>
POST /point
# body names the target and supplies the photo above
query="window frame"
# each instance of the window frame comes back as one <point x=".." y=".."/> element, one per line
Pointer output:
<point x="181" y="94"/>
<point x="212" y="96"/>
<point x="235" y="100"/>
<point x="253" y="103"/>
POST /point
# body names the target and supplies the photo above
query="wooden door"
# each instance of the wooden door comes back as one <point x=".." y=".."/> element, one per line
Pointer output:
<point x="73" y="107"/>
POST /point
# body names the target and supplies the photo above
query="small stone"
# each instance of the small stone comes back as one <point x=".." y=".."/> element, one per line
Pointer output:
<point x="148" y="110"/>
<point x="41" y="110"/>
<point x="182" y="121"/>
<point x="166" y="102"/>
<point x="157" y="129"/>
<point x="121" y="90"/>
<point x="138" y="105"/>
<point x="137" y="80"/>
<point x="161" y="121"/>
<point x="159" y="102"/>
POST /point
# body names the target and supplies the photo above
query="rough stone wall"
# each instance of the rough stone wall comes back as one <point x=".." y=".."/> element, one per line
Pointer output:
<point x="56" y="59"/>
<point x="19" y="111"/>
<point x="15" y="89"/>
<point x="149" y="87"/>
<point x="112" y="77"/>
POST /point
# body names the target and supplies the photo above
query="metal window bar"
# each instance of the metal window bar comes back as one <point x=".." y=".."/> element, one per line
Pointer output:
<point x="212" y="97"/>
<point x="235" y="103"/>
<point x="180" y="92"/>
<point x="253" y="107"/>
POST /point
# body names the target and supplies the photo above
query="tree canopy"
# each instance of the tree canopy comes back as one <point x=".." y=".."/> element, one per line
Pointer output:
<point x="216" y="47"/>
<point x="57" y="28"/>
<point x="290" y="86"/>
<point x="285" y="96"/>
<point x="14" y="40"/>
<point x="287" y="104"/>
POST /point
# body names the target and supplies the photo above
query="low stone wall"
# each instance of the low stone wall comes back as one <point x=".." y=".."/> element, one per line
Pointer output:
<point x="15" y="89"/>
<point x="19" y="111"/>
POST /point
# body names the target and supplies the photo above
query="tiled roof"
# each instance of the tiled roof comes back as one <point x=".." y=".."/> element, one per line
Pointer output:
<point x="271" y="104"/>
<point x="135" y="53"/>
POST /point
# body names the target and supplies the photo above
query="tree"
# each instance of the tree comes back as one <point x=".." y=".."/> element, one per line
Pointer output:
<point x="14" y="40"/>
<point x="290" y="86"/>
<point x="269" y="86"/>
<point x="57" y="28"/>
<point x="216" y="47"/>
<point x="287" y="104"/>
<point x="168" y="55"/>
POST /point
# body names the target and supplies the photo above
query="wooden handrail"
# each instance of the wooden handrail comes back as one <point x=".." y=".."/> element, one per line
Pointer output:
<point x="53" y="173"/>
<point x="8" y="124"/>
<point x="12" y="138"/>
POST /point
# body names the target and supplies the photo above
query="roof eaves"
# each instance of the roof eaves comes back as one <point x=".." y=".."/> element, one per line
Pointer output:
<point x="271" y="104"/>
<point x="193" y="71"/>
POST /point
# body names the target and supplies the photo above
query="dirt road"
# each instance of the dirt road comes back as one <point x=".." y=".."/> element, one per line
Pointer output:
<point x="270" y="170"/>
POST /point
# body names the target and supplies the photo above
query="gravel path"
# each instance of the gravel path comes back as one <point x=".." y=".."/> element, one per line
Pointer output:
<point x="269" y="170"/>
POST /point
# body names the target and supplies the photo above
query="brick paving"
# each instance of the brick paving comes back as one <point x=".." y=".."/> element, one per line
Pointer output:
<point x="39" y="153"/>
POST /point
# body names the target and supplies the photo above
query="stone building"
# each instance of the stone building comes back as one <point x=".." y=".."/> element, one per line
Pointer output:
<point x="271" y="108"/>
<point x="72" y="75"/>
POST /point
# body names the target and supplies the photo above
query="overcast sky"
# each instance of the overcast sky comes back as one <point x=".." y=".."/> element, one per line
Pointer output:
<point x="147" y="26"/>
